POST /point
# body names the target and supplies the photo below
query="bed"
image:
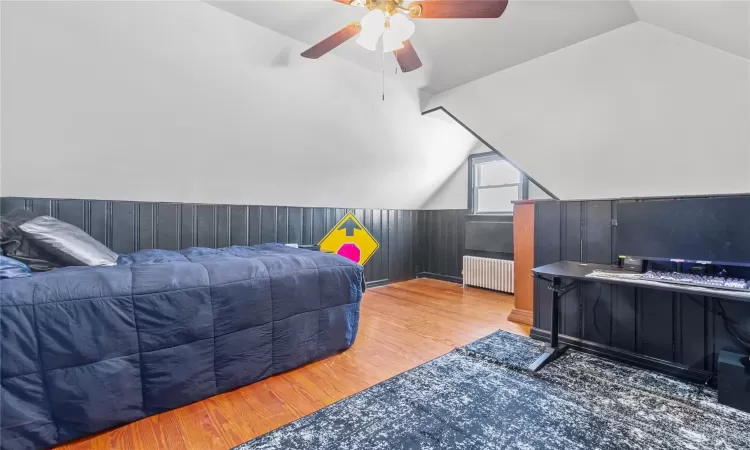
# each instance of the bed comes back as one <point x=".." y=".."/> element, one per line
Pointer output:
<point x="88" y="348"/>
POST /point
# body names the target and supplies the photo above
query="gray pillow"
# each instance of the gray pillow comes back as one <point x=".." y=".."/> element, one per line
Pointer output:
<point x="68" y="242"/>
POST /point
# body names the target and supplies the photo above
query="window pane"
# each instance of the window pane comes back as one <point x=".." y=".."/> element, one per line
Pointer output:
<point x="496" y="199"/>
<point x="497" y="172"/>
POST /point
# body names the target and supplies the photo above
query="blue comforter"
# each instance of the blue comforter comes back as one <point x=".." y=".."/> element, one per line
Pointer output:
<point x="85" y="349"/>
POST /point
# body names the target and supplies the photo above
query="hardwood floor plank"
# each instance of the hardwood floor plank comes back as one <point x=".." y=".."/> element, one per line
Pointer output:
<point x="401" y="326"/>
<point x="165" y="428"/>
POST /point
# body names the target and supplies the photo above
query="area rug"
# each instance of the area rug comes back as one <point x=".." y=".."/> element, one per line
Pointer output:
<point x="481" y="396"/>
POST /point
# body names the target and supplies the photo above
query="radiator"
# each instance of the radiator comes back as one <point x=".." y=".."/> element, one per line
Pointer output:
<point x="488" y="273"/>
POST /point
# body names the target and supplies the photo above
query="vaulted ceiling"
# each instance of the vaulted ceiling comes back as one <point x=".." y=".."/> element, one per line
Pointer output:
<point x="721" y="24"/>
<point x="456" y="51"/>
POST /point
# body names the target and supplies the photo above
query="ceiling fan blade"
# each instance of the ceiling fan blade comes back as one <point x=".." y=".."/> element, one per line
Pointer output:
<point x="332" y="41"/>
<point x="407" y="58"/>
<point x="457" y="9"/>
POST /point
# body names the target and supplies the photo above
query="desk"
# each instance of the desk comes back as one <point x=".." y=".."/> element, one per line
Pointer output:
<point x="578" y="272"/>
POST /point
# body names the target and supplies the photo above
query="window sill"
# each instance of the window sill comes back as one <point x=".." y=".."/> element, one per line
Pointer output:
<point x="490" y="217"/>
<point x="504" y="214"/>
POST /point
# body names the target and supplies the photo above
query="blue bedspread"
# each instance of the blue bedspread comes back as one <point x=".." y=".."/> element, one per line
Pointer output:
<point x="84" y="349"/>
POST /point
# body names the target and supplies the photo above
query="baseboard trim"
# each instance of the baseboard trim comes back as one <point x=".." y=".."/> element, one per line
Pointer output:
<point x="376" y="283"/>
<point x="521" y="316"/>
<point x="624" y="356"/>
<point x="437" y="276"/>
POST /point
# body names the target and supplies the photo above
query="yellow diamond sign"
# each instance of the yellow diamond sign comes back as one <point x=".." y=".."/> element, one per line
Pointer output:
<point x="350" y="239"/>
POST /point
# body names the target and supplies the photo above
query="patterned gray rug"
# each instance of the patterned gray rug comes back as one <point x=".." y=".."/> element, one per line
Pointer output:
<point x="482" y="397"/>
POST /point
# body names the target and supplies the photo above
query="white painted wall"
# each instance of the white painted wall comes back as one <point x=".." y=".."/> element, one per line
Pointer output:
<point x="638" y="111"/>
<point x="181" y="101"/>
<point x="536" y="193"/>
<point x="454" y="192"/>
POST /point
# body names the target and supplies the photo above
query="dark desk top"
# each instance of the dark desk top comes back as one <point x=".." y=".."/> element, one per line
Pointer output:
<point x="574" y="270"/>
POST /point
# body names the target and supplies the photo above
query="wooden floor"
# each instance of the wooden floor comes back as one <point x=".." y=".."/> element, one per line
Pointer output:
<point x="402" y="326"/>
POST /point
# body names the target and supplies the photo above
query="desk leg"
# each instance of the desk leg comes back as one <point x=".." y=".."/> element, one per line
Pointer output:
<point x="554" y="350"/>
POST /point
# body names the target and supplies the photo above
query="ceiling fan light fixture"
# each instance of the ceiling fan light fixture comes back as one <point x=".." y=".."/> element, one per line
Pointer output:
<point x="399" y="29"/>
<point x="389" y="18"/>
<point x="368" y="41"/>
<point x="373" y="22"/>
<point x="391" y="41"/>
<point x="373" y="26"/>
<point x="402" y="26"/>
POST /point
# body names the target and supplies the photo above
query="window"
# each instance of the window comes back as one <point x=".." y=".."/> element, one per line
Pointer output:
<point x="494" y="184"/>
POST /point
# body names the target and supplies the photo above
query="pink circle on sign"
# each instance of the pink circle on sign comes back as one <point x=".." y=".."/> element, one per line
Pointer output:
<point x="350" y="251"/>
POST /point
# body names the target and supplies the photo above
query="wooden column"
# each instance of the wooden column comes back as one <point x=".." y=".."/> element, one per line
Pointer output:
<point x="523" y="262"/>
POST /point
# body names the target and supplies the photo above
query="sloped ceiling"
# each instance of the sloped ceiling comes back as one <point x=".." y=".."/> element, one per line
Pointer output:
<point x="721" y="24"/>
<point x="454" y="51"/>
<point x="457" y="51"/>
<point x="592" y="98"/>
<point x="639" y="111"/>
<point x="191" y="102"/>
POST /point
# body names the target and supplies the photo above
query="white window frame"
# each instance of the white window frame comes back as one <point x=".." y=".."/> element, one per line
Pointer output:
<point x="474" y="162"/>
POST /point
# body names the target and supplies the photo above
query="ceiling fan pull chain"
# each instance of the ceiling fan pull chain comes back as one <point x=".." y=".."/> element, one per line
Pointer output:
<point x="383" y="74"/>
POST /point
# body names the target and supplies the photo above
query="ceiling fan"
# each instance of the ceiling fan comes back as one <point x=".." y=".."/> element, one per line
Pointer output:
<point x="388" y="19"/>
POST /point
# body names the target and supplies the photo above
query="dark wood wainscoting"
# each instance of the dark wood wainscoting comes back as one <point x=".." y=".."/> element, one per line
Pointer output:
<point x="676" y="333"/>
<point x="130" y="226"/>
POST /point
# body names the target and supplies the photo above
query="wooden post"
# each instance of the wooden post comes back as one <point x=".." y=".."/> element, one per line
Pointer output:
<point x="523" y="262"/>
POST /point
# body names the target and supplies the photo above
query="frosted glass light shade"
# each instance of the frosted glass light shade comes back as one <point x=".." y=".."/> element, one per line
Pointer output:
<point x="373" y="22"/>
<point x="391" y="41"/>
<point x="402" y="26"/>
<point x="368" y="40"/>
<point x="373" y="26"/>
<point x="399" y="30"/>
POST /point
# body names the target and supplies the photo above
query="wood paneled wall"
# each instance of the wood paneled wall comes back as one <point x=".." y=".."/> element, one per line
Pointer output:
<point x="430" y="243"/>
<point x="676" y="333"/>
<point x="445" y="236"/>
<point x="439" y="246"/>
<point x="130" y="226"/>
